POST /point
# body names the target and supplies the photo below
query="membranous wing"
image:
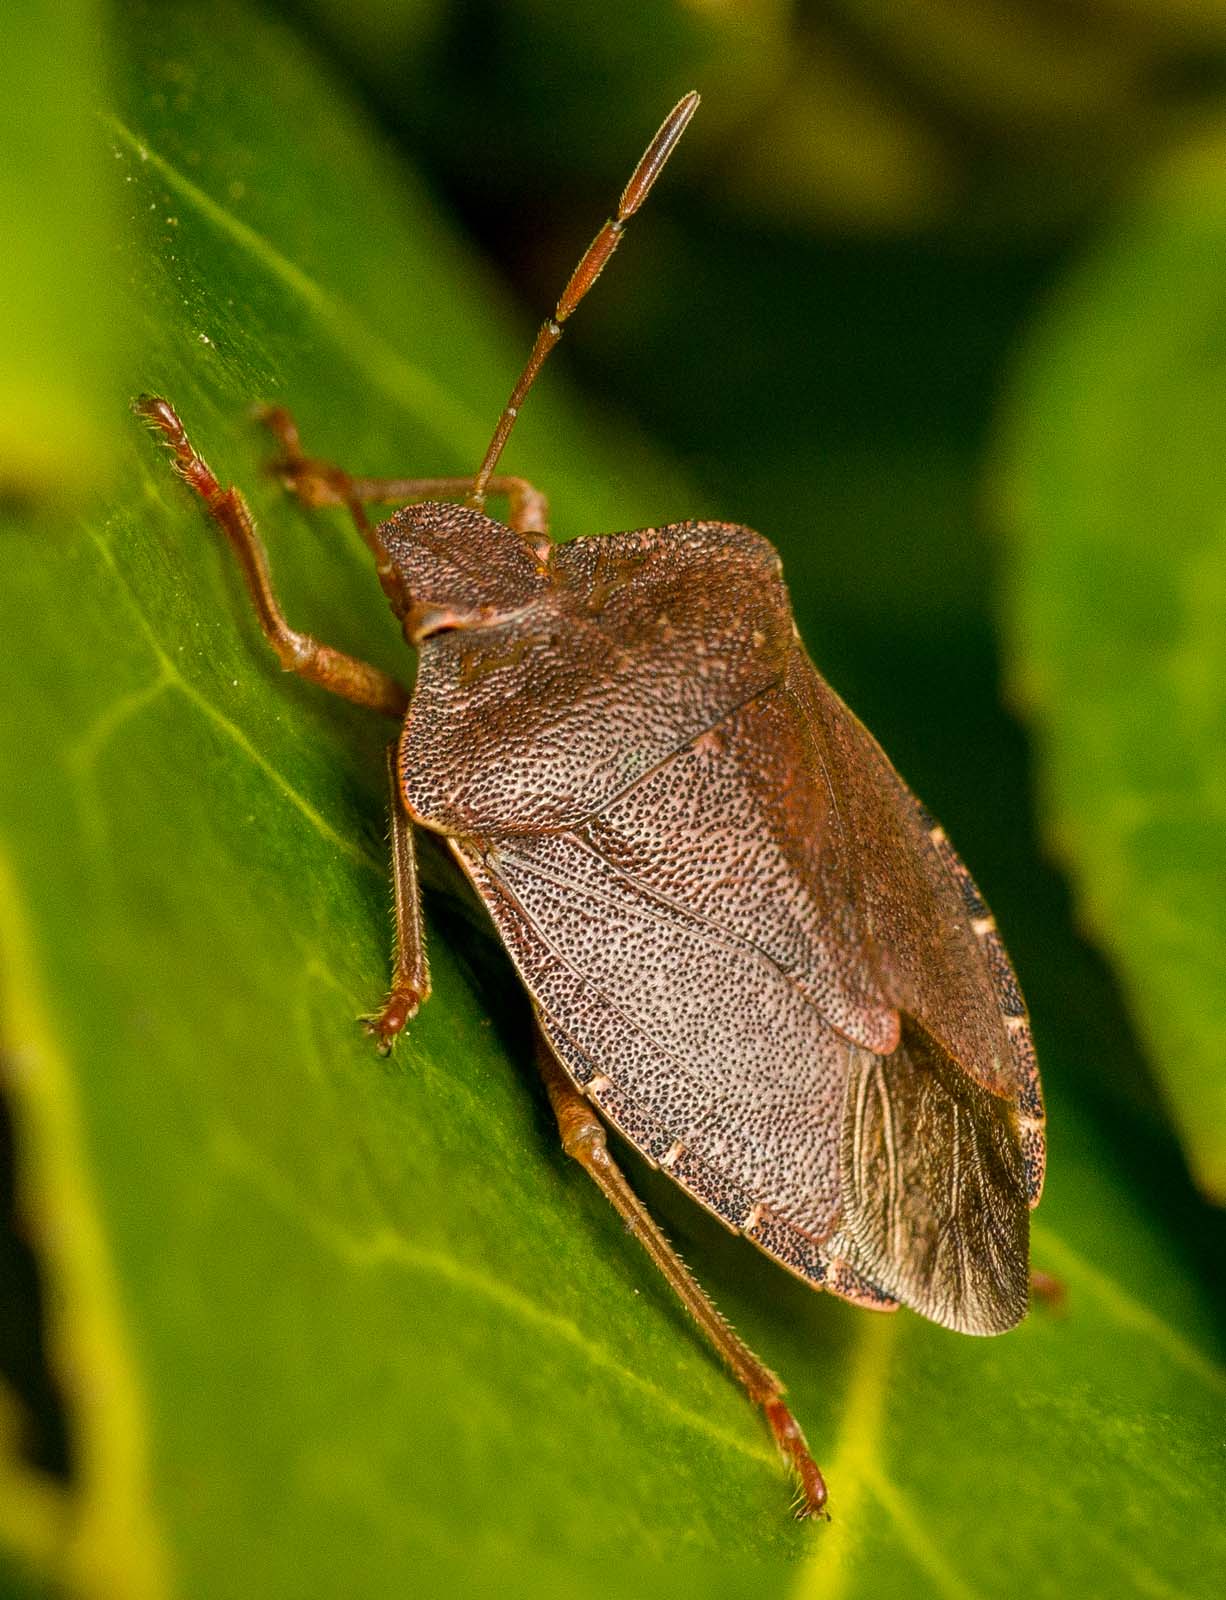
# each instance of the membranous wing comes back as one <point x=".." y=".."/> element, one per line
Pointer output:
<point x="943" y="1148"/>
<point x="933" y="1184"/>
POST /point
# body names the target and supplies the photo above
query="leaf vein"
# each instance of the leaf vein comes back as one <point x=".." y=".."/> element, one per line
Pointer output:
<point x="433" y="406"/>
<point x="914" y="1536"/>
<point x="86" y="749"/>
<point x="117" y="1542"/>
<point x="174" y="679"/>
<point x="387" y="1247"/>
<point x="831" y="1568"/>
<point x="1119" y="1304"/>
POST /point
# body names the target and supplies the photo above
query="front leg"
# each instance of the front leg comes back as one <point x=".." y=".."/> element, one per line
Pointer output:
<point x="297" y="652"/>
<point x="410" y="969"/>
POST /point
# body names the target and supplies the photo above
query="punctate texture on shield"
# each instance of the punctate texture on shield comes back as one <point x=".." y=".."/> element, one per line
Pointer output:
<point x="745" y="938"/>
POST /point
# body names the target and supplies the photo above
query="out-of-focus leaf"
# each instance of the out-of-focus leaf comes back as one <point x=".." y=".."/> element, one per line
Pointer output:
<point x="832" y="142"/>
<point x="1115" y="476"/>
<point x="1013" y="62"/>
<point x="330" y="1325"/>
<point x="56" y="315"/>
<point x="851" y="115"/>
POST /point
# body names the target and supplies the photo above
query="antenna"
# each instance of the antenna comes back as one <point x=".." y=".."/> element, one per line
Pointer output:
<point x="584" y="276"/>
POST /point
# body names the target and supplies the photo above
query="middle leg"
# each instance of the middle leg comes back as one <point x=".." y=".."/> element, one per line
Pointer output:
<point x="410" y="986"/>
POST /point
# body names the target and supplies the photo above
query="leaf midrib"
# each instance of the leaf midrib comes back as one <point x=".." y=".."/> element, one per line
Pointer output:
<point x="432" y="407"/>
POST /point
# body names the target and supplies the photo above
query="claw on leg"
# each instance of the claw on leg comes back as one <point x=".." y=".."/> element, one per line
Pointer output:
<point x="583" y="1138"/>
<point x="298" y="652"/>
<point x="386" y="1026"/>
<point x="795" y="1451"/>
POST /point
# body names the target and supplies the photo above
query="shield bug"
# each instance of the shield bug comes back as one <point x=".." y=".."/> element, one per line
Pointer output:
<point x="747" y="945"/>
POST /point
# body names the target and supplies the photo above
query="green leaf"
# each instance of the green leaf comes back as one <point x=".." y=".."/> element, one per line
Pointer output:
<point x="1117" y="496"/>
<point x="56" y="331"/>
<point x="325" y="1324"/>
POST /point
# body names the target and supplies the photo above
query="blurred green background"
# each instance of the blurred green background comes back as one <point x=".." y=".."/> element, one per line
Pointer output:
<point x="935" y="297"/>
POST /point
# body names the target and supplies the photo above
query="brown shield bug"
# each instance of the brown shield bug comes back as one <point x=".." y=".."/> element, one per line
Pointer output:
<point x="748" y="947"/>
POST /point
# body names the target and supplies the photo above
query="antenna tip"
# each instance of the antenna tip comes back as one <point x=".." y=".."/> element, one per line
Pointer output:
<point x="656" y="154"/>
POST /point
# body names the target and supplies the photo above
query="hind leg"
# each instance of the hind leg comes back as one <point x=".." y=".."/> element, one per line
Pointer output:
<point x="583" y="1138"/>
<point x="410" y="986"/>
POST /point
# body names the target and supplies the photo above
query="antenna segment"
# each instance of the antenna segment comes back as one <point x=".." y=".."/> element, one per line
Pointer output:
<point x="584" y="276"/>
